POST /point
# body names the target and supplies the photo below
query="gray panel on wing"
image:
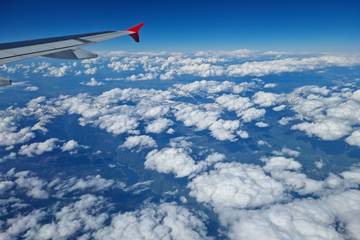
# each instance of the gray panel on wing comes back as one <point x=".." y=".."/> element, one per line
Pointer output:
<point x="72" y="54"/>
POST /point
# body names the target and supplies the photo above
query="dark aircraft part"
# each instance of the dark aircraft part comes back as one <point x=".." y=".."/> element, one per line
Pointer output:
<point x="135" y="30"/>
<point x="5" y="82"/>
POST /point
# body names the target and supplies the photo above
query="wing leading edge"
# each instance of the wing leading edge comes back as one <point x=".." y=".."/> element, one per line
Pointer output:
<point x="65" y="47"/>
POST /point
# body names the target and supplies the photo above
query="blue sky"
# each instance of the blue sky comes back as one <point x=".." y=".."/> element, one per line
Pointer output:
<point x="193" y="25"/>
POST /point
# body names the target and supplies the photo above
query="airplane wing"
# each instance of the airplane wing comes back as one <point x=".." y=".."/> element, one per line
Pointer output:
<point x="65" y="47"/>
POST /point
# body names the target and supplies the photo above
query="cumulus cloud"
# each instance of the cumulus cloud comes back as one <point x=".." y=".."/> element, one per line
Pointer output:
<point x="121" y="111"/>
<point x="329" y="114"/>
<point x="118" y="66"/>
<point x="281" y="163"/>
<point x="242" y="106"/>
<point x="327" y="129"/>
<point x="287" y="152"/>
<point x="261" y="124"/>
<point x="142" y="141"/>
<point x="78" y="217"/>
<point x="87" y="218"/>
<point x="93" y="83"/>
<point x="31" y="88"/>
<point x="91" y="183"/>
<point x="21" y="224"/>
<point x="15" y="184"/>
<point x="224" y="129"/>
<point x="303" y="219"/>
<point x="90" y="71"/>
<point x="165" y="221"/>
<point x="167" y="66"/>
<point x="270" y="85"/>
<point x="171" y="160"/>
<point x="236" y="185"/>
<point x="193" y="115"/>
<point x="351" y="176"/>
<point x="261" y="68"/>
<point x="117" y="124"/>
<point x="286" y="171"/>
<point x="207" y="117"/>
<point x="71" y="146"/>
<point x="38" y="148"/>
<point x="10" y="135"/>
<point x="57" y="71"/>
<point x="177" y="160"/>
<point x="211" y="87"/>
<point x="23" y="181"/>
<point x="354" y="138"/>
<point x="266" y="99"/>
<point x="159" y="125"/>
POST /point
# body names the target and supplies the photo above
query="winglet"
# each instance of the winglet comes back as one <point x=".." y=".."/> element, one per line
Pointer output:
<point x="135" y="32"/>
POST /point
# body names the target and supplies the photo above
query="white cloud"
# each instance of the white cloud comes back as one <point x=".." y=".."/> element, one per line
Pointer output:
<point x="224" y="129"/>
<point x="38" y="148"/>
<point x="57" y="71"/>
<point x="9" y="134"/>
<point x="354" y="138"/>
<point x="140" y="142"/>
<point x="167" y="66"/>
<point x="93" y="83"/>
<point x="214" y="158"/>
<point x="25" y="182"/>
<point x="243" y="134"/>
<point x="261" y="124"/>
<point x="236" y="185"/>
<point x="352" y="176"/>
<point x="266" y="99"/>
<point x="252" y="114"/>
<point x="120" y="67"/>
<point x="287" y="152"/>
<point x="33" y="186"/>
<point x="148" y="110"/>
<point x="319" y="164"/>
<point x="234" y="103"/>
<point x="90" y="71"/>
<point x="279" y="108"/>
<point x="165" y="221"/>
<point x="158" y="125"/>
<point x="332" y="217"/>
<point x="171" y="160"/>
<point x="70" y="146"/>
<point x="74" y="218"/>
<point x="142" y="77"/>
<point x="261" y="68"/>
<point x="86" y="184"/>
<point x="270" y="85"/>
<point x="117" y="124"/>
<point x="21" y="224"/>
<point x="177" y="160"/>
<point x="210" y="87"/>
<point x="326" y="129"/>
<point x="207" y="117"/>
<point x="31" y="88"/>
<point x="193" y="115"/>
<point x="329" y="114"/>
<point x="88" y="217"/>
<point x="281" y="163"/>
<point x="285" y="170"/>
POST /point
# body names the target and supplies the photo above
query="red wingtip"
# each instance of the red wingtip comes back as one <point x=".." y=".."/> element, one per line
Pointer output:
<point x="135" y="30"/>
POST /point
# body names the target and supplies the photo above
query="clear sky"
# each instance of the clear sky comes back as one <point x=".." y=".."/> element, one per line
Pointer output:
<point x="181" y="25"/>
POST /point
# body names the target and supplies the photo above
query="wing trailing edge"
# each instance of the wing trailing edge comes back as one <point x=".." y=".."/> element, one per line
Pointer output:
<point x="72" y="54"/>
